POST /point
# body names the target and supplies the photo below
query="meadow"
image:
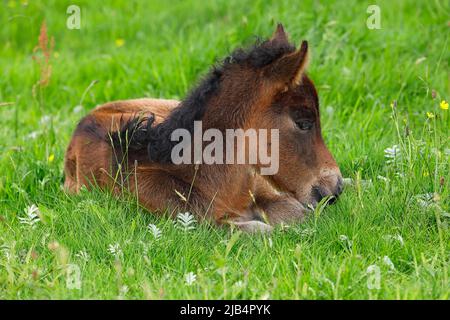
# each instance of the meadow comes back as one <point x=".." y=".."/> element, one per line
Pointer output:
<point x="384" y="109"/>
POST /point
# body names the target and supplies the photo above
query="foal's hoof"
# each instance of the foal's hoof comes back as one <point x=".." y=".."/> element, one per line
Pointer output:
<point x="254" y="226"/>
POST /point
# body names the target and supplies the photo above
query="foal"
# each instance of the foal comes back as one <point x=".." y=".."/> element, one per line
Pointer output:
<point x="128" y="143"/>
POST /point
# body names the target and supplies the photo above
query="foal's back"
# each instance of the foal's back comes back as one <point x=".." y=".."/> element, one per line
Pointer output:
<point x="88" y="157"/>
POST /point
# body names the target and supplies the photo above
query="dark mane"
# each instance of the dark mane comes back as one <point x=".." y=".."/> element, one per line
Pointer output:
<point x="141" y="134"/>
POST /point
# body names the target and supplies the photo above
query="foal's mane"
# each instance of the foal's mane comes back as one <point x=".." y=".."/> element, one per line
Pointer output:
<point x="141" y="133"/>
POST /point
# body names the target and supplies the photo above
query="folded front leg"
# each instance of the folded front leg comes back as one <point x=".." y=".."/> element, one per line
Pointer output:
<point x="277" y="207"/>
<point x="157" y="190"/>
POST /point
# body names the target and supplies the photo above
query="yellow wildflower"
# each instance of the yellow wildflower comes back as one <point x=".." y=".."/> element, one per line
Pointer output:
<point x="444" y="105"/>
<point x="51" y="158"/>
<point x="119" y="42"/>
<point x="430" y="115"/>
<point x="394" y="104"/>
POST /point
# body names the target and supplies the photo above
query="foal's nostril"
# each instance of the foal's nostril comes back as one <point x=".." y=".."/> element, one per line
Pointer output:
<point x="332" y="199"/>
<point x="339" y="187"/>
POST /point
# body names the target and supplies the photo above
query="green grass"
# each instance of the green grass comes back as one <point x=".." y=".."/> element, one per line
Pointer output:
<point x="168" y="46"/>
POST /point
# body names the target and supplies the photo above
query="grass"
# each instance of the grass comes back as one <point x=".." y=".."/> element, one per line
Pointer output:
<point x="134" y="49"/>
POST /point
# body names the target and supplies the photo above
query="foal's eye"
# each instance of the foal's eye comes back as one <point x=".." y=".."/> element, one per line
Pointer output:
<point x="304" y="124"/>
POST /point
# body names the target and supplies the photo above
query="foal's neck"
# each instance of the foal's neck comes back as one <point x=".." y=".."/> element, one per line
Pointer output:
<point x="232" y="108"/>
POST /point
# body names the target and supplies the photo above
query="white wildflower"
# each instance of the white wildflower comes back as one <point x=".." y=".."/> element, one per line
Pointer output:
<point x="425" y="200"/>
<point x="83" y="255"/>
<point x="33" y="135"/>
<point x="345" y="241"/>
<point x="155" y="231"/>
<point x="123" y="290"/>
<point x="265" y="296"/>
<point x="190" y="278"/>
<point x="392" y="153"/>
<point x="373" y="277"/>
<point x="307" y="232"/>
<point x="383" y="178"/>
<point x="222" y="271"/>
<point x="6" y="249"/>
<point x="346" y="71"/>
<point x="363" y="183"/>
<point x="331" y="283"/>
<point x="45" y="119"/>
<point x="22" y="255"/>
<point x="145" y="248"/>
<point x="115" y="250"/>
<point x="329" y="110"/>
<point x="348" y="181"/>
<point x="78" y="109"/>
<point x="31" y="216"/>
<point x="388" y="262"/>
<point x="397" y="237"/>
<point x="186" y="221"/>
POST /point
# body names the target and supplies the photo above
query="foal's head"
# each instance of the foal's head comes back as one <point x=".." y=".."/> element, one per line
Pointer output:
<point x="306" y="167"/>
<point x="280" y="96"/>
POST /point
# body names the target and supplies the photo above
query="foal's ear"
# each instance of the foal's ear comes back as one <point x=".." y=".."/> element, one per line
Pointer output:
<point x="289" y="68"/>
<point x="279" y="35"/>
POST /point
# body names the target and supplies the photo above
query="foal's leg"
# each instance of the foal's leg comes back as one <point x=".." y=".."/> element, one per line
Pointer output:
<point x="253" y="226"/>
<point x="277" y="207"/>
<point x="282" y="209"/>
<point x="157" y="189"/>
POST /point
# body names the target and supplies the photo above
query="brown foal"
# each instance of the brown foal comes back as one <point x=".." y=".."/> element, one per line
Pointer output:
<point x="127" y="144"/>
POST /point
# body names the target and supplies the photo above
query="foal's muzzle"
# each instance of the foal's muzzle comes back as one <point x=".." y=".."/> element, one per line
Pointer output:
<point x="319" y="192"/>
